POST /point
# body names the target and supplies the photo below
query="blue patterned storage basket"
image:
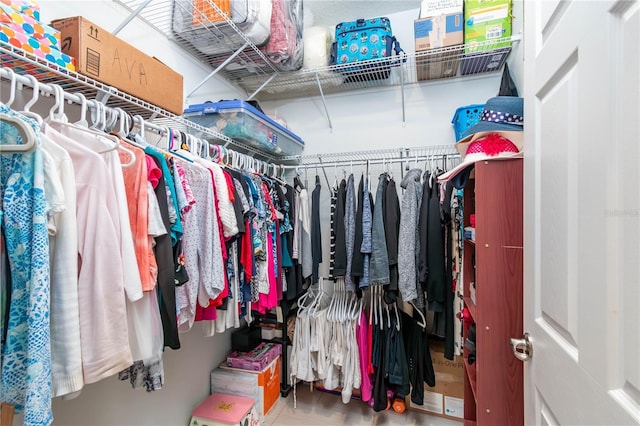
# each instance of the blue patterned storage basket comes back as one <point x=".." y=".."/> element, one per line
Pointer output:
<point x="464" y="118"/>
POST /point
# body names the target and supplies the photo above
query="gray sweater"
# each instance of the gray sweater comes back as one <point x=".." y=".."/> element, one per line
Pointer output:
<point x="407" y="252"/>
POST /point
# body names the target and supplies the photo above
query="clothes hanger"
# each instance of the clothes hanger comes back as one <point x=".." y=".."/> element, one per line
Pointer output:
<point x="57" y="117"/>
<point x="82" y="122"/>
<point x="34" y="98"/>
<point x="12" y="90"/>
<point x="26" y="133"/>
<point x="422" y="324"/>
<point x="395" y="308"/>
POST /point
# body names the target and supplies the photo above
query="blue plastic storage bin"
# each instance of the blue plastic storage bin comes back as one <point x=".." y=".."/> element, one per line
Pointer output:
<point x="464" y="118"/>
<point x="240" y="121"/>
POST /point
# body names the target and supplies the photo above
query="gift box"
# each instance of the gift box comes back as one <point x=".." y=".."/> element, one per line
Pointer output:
<point x="26" y="7"/>
<point x="257" y="359"/>
<point x="34" y="46"/>
<point x="20" y="22"/>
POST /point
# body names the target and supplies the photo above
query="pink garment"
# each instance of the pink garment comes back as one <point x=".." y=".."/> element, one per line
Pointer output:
<point x="135" y="184"/>
<point x="101" y="294"/>
<point x="153" y="171"/>
<point x="362" y="338"/>
<point x="186" y="187"/>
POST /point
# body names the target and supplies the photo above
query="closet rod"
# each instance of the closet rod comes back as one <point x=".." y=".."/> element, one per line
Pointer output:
<point x="47" y="89"/>
<point x="347" y="162"/>
<point x="377" y="154"/>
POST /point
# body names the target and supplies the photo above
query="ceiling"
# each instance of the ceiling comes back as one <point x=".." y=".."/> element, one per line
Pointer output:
<point x="331" y="12"/>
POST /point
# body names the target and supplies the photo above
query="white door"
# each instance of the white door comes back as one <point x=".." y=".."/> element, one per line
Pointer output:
<point x="582" y="212"/>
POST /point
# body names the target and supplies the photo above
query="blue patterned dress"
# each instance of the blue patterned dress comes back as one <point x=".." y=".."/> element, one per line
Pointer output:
<point x="26" y="355"/>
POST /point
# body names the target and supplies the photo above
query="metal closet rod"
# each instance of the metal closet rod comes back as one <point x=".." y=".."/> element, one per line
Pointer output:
<point x="47" y="89"/>
<point x="419" y="158"/>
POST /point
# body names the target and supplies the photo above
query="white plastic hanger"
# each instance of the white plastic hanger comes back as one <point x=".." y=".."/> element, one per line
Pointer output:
<point x="58" y="117"/>
<point x="12" y="90"/>
<point x="34" y="98"/>
<point x="26" y="133"/>
<point x="422" y="324"/>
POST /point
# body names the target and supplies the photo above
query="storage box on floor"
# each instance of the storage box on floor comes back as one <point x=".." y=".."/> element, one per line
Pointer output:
<point x="439" y="26"/>
<point x="106" y="58"/>
<point x="263" y="386"/>
<point x="221" y="409"/>
<point x="446" y="398"/>
<point x="242" y="122"/>
<point x="487" y="34"/>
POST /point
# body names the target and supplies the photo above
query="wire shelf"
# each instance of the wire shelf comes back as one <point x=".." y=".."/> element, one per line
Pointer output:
<point x="25" y="63"/>
<point x="250" y="70"/>
<point x="391" y="155"/>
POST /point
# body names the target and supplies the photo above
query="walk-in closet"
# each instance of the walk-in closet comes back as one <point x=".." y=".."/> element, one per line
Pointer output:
<point x="319" y="212"/>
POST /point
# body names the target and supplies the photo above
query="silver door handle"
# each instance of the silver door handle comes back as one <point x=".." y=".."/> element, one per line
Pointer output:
<point x="522" y="348"/>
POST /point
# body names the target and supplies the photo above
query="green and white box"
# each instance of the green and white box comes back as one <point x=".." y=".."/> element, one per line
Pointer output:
<point x="486" y="24"/>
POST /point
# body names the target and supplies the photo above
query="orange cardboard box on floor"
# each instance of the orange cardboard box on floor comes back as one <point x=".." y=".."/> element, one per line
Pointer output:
<point x="106" y="58"/>
<point x="446" y="398"/>
<point x="265" y="384"/>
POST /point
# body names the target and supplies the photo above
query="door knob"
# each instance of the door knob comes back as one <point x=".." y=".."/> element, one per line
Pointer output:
<point x="522" y="348"/>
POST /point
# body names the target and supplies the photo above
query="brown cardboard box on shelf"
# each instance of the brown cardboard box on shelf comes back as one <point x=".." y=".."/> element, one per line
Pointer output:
<point x="446" y="398"/>
<point x="440" y="26"/>
<point x="104" y="57"/>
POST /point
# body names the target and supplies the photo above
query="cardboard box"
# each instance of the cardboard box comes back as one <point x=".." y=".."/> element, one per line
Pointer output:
<point x="104" y="57"/>
<point x="486" y="22"/>
<point x="437" y="32"/>
<point x="264" y="388"/>
<point x="446" y="398"/>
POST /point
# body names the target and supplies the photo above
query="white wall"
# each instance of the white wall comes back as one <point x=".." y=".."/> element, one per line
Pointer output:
<point x="361" y="121"/>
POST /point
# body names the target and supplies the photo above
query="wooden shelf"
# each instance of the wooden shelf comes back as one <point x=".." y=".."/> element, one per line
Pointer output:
<point x="471" y="374"/>
<point x="494" y="383"/>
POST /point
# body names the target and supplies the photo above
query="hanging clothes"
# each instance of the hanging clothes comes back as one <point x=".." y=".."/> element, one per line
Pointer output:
<point x="103" y="328"/>
<point x="350" y="231"/>
<point x="367" y="243"/>
<point x="316" y="233"/>
<point x="456" y="265"/>
<point x="357" y="258"/>
<point x="332" y="227"/>
<point x="306" y="253"/>
<point x="435" y="251"/>
<point x="24" y="228"/>
<point x="340" y="264"/>
<point x="66" y="356"/>
<point x="448" y="312"/>
<point x="409" y="235"/>
<point x="164" y="260"/>
<point x="379" y="270"/>
<point x="418" y="357"/>
<point x="392" y="229"/>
